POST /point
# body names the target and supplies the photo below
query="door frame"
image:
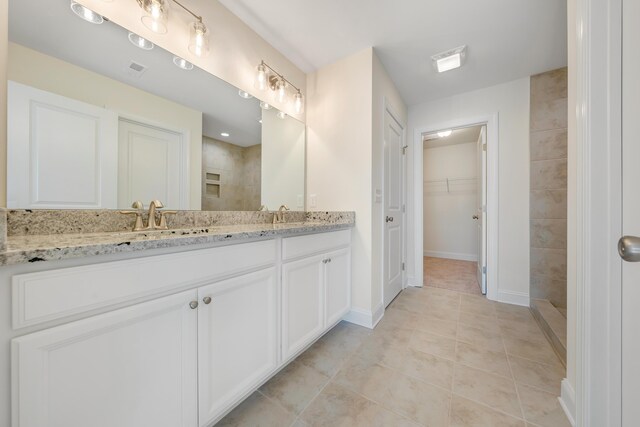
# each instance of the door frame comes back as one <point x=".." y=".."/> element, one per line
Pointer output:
<point x="388" y="108"/>
<point x="491" y="122"/>
<point x="594" y="350"/>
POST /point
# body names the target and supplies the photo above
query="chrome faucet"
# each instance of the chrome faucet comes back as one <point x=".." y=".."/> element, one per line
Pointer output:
<point x="278" y="217"/>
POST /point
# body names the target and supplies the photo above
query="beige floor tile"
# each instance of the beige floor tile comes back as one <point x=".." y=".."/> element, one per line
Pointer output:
<point x="545" y="377"/>
<point x="415" y="399"/>
<point x="295" y="386"/>
<point x="339" y="407"/>
<point x="490" y="389"/>
<point x="491" y="360"/>
<point x="519" y="328"/>
<point x="540" y="351"/>
<point x="480" y="336"/>
<point x="489" y="323"/>
<point x="299" y="423"/>
<point x="441" y="313"/>
<point x="433" y="325"/>
<point x="542" y="408"/>
<point x="395" y="317"/>
<point x="423" y="366"/>
<point x="465" y="413"/>
<point x="257" y="411"/>
<point x="433" y="344"/>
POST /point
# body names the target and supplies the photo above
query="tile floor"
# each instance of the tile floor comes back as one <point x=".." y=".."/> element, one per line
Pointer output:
<point x="451" y="274"/>
<point x="437" y="358"/>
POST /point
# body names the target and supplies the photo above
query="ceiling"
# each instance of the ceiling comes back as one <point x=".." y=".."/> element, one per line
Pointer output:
<point x="106" y="50"/>
<point x="458" y="136"/>
<point x="506" y="39"/>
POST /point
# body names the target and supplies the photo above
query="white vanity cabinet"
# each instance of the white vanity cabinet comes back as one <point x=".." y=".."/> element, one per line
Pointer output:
<point x="237" y="340"/>
<point x="239" y="314"/>
<point x="128" y="368"/>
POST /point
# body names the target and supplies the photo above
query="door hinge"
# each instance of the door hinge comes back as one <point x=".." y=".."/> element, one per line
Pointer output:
<point x="403" y="266"/>
<point x="484" y="269"/>
<point x="404" y="149"/>
<point x="404" y="208"/>
<point x="484" y="147"/>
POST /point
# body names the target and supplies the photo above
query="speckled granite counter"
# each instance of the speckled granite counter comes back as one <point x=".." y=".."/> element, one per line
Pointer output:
<point x="25" y="247"/>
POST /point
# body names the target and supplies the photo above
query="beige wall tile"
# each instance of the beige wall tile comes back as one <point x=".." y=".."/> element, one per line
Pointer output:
<point x="548" y="144"/>
<point x="549" y="233"/>
<point x="549" y="263"/>
<point x="548" y="204"/>
<point x="549" y="174"/>
<point x="547" y="115"/>
<point x="549" y="85"/>
<point x="554" y="290"/>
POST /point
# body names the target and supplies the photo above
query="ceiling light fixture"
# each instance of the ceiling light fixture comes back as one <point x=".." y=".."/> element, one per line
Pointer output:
<point x="444" y="133"/>
<point x="268" y="78"/>
<point x="182" y="63"/>
<point x="281" y="115"/>
<point x="155" y="16"/>
<point x="265" y="105"/>
<point x="140" y="42"/>
<point x="245" y="95"/>
<point x="225" y="134"/>
<point x="449" y="60"/>
<point x="86" y="13"/>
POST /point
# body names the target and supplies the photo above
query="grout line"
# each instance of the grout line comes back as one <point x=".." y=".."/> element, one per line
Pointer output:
<point x="513" y="378"/>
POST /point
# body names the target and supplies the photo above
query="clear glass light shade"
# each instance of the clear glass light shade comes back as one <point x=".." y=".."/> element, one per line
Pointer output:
<point x="281" y="115"/>
<point x="140" y="42"/>
<point x="86" y="14"/>
<point x="198" y="39"/>
<point x="262" y="77"/>
<point x="281" y="91"/>
<point x="182" y="63"/>
<point x="155" y="15"/>
<point x="298" y="103"/>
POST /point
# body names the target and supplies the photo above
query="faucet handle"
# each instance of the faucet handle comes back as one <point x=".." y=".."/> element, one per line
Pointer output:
<point x="138" y="213"/>
<point x="137" y="205"/>
<point x="163" y="219"/>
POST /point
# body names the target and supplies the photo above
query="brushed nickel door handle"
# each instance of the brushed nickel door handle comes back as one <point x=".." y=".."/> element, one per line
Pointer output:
<point x="193" y="305"/>
<point x="206" y="300"/>
<point x="629" y="248"/>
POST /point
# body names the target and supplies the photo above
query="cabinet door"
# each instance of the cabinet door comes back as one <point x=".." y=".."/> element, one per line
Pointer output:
<point x="237" y="339"/>
<point x="129" y="368"/>
<point x="338" y="285"/>
<point x="302" y="303"/>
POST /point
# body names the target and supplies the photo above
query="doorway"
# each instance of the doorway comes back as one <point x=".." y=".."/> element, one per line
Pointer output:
<point x="454" y="204"/>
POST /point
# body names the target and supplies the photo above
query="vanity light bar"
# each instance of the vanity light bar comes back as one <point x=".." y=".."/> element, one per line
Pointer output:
<point x="279" y="84"/>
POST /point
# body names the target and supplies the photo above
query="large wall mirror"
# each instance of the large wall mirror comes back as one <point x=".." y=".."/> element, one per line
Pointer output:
<point x="98" y="118"/>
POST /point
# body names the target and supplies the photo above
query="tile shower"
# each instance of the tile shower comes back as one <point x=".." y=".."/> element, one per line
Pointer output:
<point x="548" y="207"/>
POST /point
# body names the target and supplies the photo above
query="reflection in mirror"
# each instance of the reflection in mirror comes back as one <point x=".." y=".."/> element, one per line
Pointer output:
<point x="100" y="117"/>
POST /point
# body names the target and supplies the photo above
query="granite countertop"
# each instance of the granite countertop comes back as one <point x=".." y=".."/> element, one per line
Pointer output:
<point x="32" y="248"/>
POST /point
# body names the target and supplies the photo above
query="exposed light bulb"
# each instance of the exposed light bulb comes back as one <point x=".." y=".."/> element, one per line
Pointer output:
<point x="199" y="39"/>
<point x="444" y="133"/>
<point x="281" y="91"/>
<point x="155" y="15"/>
<point x="298" y="102"/>
<point x="262" y="77"/>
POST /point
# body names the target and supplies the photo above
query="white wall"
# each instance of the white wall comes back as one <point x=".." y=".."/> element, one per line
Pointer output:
<point x="47" y="73"/>
<point x="511" y="102"/>
<point x="449" y="231"/>
<point x="282" y="161"/>
<point x="236" y="50"/>
<point x="4" y="51"/>
<point x="339" y="134"/>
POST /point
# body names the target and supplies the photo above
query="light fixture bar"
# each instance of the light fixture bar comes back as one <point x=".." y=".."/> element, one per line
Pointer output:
<point x="199" y="18"/>
<point x="279" y="75"/>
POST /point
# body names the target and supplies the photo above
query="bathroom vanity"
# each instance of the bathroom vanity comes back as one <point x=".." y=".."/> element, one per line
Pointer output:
<point x="164" y="336"/>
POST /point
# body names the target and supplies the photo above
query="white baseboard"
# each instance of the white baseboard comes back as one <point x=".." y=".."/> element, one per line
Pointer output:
<point x="452" y="255"/>
<point x="516" y="298"/>
<point x="365" y="318"/>
<point x="567" y="401"/>
<point x="412" y="282"/>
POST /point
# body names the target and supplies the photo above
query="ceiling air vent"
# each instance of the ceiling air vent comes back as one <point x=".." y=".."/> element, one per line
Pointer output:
<point x="135" y="70"/>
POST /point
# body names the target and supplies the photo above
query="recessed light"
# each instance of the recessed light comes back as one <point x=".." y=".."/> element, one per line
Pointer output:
<point x="265" y="105"/>
<point x="225" y="134"/>
<point x="182" y="63"/>
<point x="444" y="133"/>
<point x="281" y="115"/>
<point x="449" y="60"/>
<point x="140" y="42"/>
<point x="86" y="13"/>
<point x="245" y="95"/>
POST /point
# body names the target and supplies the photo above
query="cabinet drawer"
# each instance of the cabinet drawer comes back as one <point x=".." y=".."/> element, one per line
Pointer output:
<point x="295" y="247"/>
<point x="55" y="294"/>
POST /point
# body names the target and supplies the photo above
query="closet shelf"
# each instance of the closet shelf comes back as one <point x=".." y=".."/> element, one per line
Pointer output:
<point x="450" y="185"/>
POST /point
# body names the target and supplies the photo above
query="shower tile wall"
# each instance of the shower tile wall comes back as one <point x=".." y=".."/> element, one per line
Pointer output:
<point x="548" y="183"/>
<point x="239" y="171"/>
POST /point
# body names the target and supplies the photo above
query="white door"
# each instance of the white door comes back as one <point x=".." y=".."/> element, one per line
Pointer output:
<point x="393" y="215"/>
<point x="302" y="303"/>
<point x="61" y="153"/>
<point x="631" y="212"/>
<point x="128" y="368"/>
<point x="481" y="207"/>
<point x="237" y="340"/>
<point x="152" y="164"/>
<point x="338" y="281"/>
